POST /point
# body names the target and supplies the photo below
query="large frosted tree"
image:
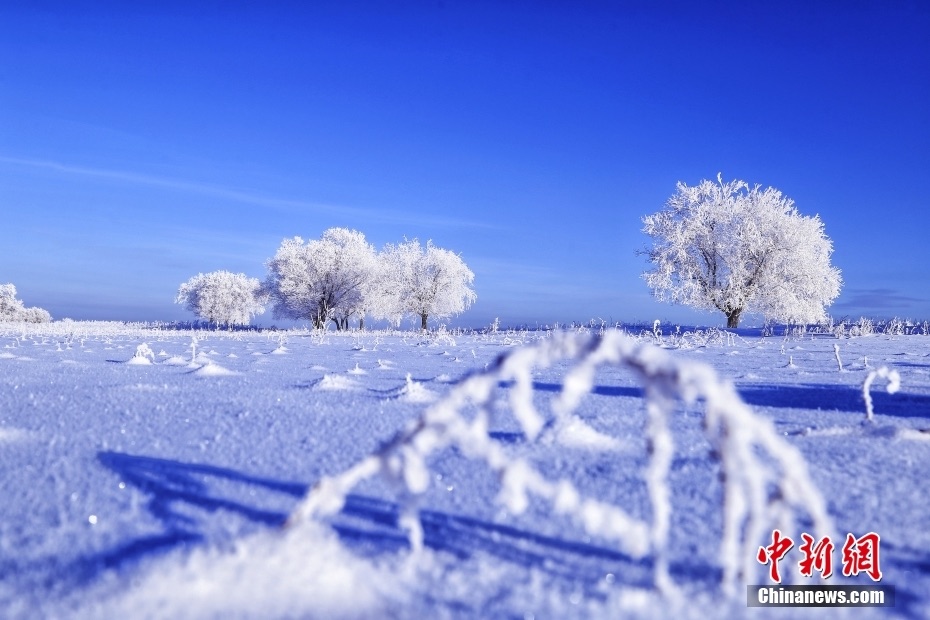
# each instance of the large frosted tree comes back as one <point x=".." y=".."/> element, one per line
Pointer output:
<point x="738" y="249"/>
<point x="223" y="298"/>
<point x="322" y="280"/>
<point x="424" y="282"/>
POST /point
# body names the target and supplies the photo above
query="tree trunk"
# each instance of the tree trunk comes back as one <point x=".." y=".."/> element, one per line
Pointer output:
<point x="733" y="318"/>
<point x="361" y="323"/>
<point x="423" y="321"/>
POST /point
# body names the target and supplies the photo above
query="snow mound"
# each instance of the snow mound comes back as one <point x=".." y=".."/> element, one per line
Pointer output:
<point x="575" y="433"/>
<point x="175" y="361"/>
<point x="213" y="370"/>
<point x="335" y="382"/>
<point x="282" y="350"/>
<point x="413" y="392"/>
<point x="144" y="356"/>
<point x="357" y="370"/>
<point x="914" y="434"/>
<point x="301" y="572"/>
<point x="6" y="356"/>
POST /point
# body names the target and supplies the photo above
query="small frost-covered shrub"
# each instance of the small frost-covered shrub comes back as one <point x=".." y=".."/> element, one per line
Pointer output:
<point x="13" y="309"/>
<point x="863" y="327"/>
<point x="703" y="337"/>
<point x="143" y="355"/>
<point x="894" y="327"/>
<point x="765" y="479"/>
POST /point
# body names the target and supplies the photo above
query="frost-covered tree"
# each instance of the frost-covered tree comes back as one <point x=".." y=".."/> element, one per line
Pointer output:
<point x="424" y="282"/>
<point x="326" y="279"/>
<point x="13" y="309"/>
<point x="223" y="298"/>
<point x="728" y="247"/>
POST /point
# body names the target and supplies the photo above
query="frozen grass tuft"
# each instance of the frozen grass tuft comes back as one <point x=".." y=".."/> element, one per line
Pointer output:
<point x="143" y="355"/>
<point x="894" y="384"/>
<point x="413" y="392"/>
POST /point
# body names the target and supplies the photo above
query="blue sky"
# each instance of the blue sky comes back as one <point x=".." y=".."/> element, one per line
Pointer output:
<point x="140" y="145"/>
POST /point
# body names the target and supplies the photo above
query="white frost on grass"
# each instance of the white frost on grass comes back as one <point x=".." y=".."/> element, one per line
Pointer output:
<point x="144" y="356"/>
<point x="7" y="356"/>
<point x="766" y="481"/>
<point x="413" y="392"/>
<point x="357" y="370"/>
<point x="894" y="384"/>
<point x="303" y="572"/>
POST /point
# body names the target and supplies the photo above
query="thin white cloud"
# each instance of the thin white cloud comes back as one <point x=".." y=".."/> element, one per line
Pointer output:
<point x="252" y="198"/>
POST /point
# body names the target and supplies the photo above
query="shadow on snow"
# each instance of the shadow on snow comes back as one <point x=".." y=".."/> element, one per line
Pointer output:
<point x="367" y="524"/>
<point x="836" y="398"/>
<point x="809" y="396"/>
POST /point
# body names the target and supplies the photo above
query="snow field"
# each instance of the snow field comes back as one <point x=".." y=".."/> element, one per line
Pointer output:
<point x="154" y="490"/>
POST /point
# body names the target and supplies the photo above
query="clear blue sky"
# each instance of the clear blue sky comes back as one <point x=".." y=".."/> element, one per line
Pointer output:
<point x="140" y="146"/>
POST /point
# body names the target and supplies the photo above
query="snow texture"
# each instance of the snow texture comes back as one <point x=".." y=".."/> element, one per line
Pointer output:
<point x="584" y="474"/>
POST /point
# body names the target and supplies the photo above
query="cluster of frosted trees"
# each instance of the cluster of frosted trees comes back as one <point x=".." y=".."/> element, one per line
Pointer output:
<point x="12" y="309"/>
<point x="338" y="278"/>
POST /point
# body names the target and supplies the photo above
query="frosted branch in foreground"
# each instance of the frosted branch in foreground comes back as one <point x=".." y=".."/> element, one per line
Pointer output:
<point x="765" y="479"/>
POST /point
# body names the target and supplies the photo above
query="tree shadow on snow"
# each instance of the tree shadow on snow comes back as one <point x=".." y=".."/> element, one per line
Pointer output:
<point x="600" y="390"/>
<point x="370" y="526"/>
<point x="367" y="524"/>
<point x="836" y="398"/>
<point x="809" y="396"/>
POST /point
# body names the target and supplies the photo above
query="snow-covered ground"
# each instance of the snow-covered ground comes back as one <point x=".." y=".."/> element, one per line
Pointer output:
<point x="160" y="488"/>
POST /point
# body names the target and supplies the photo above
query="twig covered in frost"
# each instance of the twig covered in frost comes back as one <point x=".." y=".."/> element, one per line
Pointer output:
<point x="894" y="384"/>
<point x="766" y="482"/>
<point x="836" y="352"/>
